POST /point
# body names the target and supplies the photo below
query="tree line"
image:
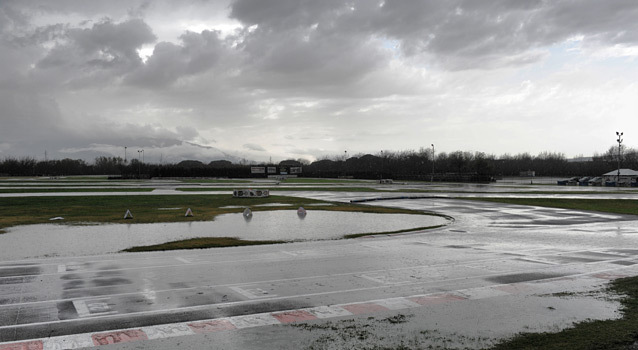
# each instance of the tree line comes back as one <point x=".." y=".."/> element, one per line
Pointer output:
<point x="406" y="165"/>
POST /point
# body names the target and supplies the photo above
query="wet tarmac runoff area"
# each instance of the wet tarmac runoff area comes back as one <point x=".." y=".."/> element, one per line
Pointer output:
<point x="492" y="273"/>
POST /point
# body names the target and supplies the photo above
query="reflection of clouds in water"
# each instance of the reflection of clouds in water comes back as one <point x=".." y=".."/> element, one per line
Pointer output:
<point x="263" y="225"/>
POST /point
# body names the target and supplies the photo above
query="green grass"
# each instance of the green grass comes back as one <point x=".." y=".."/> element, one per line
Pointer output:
<point x="616" y="206"/>
<point x="282" y="188"/>
<point x="199" y="243"/>
<point x="49" y="190"/>
<point x="302" y="180"/>
<point x="146" y="208"/>
<point x="207" y="181"/>
<point x="603" y="335"/>
<point x="221" y="242"/>
<point x="357" y="235"/>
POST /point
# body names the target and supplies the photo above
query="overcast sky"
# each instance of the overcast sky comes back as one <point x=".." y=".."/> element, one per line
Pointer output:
<point x="256" y="79"/>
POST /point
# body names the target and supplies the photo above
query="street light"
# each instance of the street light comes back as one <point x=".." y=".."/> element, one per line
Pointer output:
<point x="139" y="164"/>
<point x="432" y="177"/>
<point x="382" y="164"/>
<point x="619" y="140"/>
<point x="125" y="154"/>
<point x="345" y="164"/>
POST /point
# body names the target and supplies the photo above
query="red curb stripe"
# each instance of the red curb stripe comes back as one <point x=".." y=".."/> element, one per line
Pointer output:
<point x="364" y="308"/>
<point x="211" y="326"/>
<point x="514" y="288"/>
<point x="29" y="345"/>
<point x="293" y="316"/>
<point x="436" y="299"/>
<point x="125" y="336"/>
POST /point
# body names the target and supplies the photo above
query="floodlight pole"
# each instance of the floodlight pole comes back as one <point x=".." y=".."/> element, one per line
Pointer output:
<point x="139" y="163"/>
<point x="125" y="154"/>
<point x="619" y="140"/>
<point x="432" y="177"/>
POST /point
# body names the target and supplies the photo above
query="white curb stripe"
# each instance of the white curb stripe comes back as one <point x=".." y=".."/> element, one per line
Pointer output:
<point x="264" y="319"/>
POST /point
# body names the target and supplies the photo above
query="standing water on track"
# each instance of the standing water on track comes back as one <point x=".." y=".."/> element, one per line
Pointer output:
<point x="70" y="240"/>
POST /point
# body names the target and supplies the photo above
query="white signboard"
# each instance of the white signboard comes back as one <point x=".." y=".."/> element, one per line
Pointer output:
<point x="257" y="170"/>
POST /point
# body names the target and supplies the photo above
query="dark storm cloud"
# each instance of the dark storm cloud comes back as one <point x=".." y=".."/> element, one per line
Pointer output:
<point x="456" y="34"/>
<point x="97" y="55"/>
<point x="196" y="54"/>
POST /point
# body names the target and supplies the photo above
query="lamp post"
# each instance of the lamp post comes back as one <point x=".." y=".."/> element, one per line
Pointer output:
<point x="125" y="154"/>
<point x="139" y="163"/>
<point x="345" y="164"/>
<point x="432" y="177"/>
<point x="619" y="140"/>
<point x="381" y="175"/>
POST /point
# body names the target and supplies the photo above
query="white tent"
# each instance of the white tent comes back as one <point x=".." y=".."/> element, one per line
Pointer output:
<point x="626" y="176"/>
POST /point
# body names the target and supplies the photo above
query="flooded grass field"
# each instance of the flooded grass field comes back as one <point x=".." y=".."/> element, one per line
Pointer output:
<point x="277" y="225"/>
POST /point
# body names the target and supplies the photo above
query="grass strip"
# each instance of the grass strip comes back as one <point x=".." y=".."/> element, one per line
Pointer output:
<point x="301" y="180"/>
<point x="616" y="206"/>
<point x="149" y="208"/>
<point x="357" y="235"/>
<point x="51" y="190"/>
<point x="280" y="188"/>
<point x="214" y="181"/>
<point x="222" y="242"/>
<point x="199" y="243"/>
<point x="600" y="334"/>
<point x="145" y="208"/>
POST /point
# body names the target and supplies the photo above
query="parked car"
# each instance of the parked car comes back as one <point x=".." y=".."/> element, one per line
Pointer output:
<point x="584" y="181"/>
<point x="570" y="181"/>
<point x="596" y="181"/>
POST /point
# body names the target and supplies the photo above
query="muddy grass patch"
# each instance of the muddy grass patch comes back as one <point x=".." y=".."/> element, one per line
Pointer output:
<point x="200" y="243"/>
<point x="614" y="334"/>
<point x="385" y="333"/>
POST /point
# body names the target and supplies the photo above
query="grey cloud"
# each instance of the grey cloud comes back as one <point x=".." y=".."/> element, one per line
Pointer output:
<point x="169" y="62"/>
<point x="254" y="147"/>
<point x="470" y="34"/>
<point x="455" y="34"/>
<point x="95" y="56"/>
<point x="118" y="39"/>
<point x="106" y="43"/>
<point x="283" y="13"/>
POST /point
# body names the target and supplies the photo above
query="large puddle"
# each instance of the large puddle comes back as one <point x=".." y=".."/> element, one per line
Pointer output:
<point x="29" y="241"/>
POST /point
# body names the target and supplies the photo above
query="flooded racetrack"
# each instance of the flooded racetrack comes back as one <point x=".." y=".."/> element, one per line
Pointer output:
<point x="286" y="225"/>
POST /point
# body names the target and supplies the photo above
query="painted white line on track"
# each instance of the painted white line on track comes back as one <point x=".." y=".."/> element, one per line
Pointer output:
<point x="397" y="303"/>
<point x="185" y="261"/>
<point x="273" y="297"/>
<point x="601" y="274"/>
<point x="257" y="320"/>
<point x="75" y="341"/>
<point x="329" y="311"/>
<point x="252" y="293"/>
<point x="81" y="308"/>
<point x="167" y="330"/>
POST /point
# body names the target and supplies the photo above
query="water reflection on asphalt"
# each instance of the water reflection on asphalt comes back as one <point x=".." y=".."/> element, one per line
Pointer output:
<point x="67" y="240"/>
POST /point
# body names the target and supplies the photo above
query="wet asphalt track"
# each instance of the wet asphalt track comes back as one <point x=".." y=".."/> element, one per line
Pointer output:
<point x="491" y="252"/>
